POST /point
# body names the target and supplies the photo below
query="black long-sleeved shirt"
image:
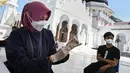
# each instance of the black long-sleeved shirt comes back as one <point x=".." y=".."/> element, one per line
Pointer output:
<point x="26" y="55"/>
<point x="3" y="43"/>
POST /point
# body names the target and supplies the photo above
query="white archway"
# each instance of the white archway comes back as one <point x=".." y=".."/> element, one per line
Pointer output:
<point x="64" y="18"/>
<point x="121" y="41"/>
<point x="84" y="34"/>
<point x="62" y="29"/>
<point x="74" y="29"/>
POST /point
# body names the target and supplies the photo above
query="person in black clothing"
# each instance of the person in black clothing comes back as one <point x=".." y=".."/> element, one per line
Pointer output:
<point x="107" y="56"/>
<point x="31" y="48"/>
<point x="4" y="42"/>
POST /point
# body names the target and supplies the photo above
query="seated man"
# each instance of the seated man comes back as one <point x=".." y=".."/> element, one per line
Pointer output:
<point x="107" y="56"/>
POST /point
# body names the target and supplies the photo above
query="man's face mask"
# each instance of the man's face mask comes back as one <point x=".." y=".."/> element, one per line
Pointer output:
<point x="109" y="41"/>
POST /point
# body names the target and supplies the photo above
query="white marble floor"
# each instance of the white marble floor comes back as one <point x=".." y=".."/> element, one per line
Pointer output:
<point x="75" y="64"/>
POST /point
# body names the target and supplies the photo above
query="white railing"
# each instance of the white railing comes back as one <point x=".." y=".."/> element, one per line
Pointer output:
<point x="106" y="17"/>
<point x="103" y="16"/>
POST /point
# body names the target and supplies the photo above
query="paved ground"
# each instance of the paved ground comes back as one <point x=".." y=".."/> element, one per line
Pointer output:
<point x="2" y="55"/>
<point x="124" y="69"/>
<point x="124" y="66"/>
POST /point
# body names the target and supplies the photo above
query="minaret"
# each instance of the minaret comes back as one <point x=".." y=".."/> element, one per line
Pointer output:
<point x="10" y="7"/>
<point x="9" y="14"/>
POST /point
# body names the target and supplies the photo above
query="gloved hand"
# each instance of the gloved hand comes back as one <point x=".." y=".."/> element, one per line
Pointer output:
<point x="73" y="43"/>
<point x="64" y="51"/>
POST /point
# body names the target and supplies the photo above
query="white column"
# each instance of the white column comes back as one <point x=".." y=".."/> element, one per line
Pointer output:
<point x="10" y="7"/>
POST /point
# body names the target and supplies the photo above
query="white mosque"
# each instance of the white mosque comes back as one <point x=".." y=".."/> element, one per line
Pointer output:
<point x="88" y="19"/>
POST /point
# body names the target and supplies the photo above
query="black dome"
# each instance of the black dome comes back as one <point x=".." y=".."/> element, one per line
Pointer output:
<point x="102" y="1"/>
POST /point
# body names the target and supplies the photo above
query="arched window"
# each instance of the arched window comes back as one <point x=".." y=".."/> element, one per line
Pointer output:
<point x="84" y="34"/>
<point x="63" y="32"/>
<point x="121" y="41"/>
<point x="57" y="32"/>
<point x="73" y="31"/>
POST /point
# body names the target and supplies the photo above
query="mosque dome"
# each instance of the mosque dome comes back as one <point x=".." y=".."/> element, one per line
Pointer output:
<point x="101" y="1"/>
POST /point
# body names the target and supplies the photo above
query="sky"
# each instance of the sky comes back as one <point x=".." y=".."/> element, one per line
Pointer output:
<point x="21" y="4"/>
<point x="120" y="8"/>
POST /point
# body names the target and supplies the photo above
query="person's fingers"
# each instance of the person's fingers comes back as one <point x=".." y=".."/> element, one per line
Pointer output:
<point x="101" y="69"/>
<point x="76" y="38"/>
<point x="104" y="70"/>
